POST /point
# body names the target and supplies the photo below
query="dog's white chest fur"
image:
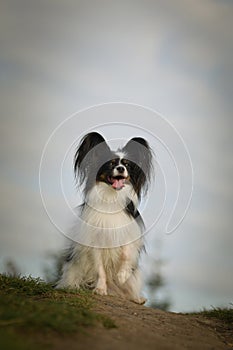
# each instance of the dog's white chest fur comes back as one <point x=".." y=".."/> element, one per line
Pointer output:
<point x="104" y="222"/>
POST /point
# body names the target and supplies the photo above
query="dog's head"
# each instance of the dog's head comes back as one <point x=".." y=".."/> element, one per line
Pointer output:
<point x="95" y="162"/>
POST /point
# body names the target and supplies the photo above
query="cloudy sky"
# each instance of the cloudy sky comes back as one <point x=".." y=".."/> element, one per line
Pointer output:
<point x="175" y="57"/>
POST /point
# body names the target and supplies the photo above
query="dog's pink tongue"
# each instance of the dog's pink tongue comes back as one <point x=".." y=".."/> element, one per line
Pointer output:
<point x="118" y="184"/>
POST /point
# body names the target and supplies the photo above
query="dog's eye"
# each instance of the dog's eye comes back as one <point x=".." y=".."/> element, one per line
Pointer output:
<point x="125" y="162"/>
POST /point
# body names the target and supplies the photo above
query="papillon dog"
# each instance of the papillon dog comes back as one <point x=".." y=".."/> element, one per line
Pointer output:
<point x="108" y="240"/>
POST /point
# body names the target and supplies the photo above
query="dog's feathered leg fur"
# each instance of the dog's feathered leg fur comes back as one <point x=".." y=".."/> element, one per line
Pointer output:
<point x="101" y="285"/>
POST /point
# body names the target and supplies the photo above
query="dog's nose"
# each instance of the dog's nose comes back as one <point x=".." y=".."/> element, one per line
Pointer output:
<point x="120" y="169"/>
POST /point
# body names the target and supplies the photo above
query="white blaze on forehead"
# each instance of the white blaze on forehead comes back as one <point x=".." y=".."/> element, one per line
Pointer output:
<point x="119" y="183"/>
<point x="121" y="155"/>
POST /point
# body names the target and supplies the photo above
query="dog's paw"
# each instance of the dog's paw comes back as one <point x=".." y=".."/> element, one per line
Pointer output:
<point x="123" y="275"/>
<point x="139" y="300"/>
<point x="100" y="291"/>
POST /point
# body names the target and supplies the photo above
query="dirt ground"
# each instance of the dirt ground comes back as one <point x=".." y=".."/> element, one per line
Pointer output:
<point x="140" y="327"/>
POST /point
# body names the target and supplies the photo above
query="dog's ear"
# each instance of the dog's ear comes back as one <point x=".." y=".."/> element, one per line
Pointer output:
<point x="92" y="149"/>
<point x="139" y="152"/>
<point x="138" y="140"/>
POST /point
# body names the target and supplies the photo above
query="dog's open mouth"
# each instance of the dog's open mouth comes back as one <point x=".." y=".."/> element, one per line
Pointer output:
<point x="117" y="182"/>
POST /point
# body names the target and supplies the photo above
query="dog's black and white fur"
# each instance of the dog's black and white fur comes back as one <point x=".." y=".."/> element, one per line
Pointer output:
<point x="111" y="228"/>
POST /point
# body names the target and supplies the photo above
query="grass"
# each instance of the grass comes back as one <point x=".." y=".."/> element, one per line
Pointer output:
<point x="223" y="314"/>
<point x="32" y="306"/>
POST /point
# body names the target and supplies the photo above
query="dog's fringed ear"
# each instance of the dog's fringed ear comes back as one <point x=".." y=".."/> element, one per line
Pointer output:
<point x="91" y="152"/>
<point x="139" y="152"/>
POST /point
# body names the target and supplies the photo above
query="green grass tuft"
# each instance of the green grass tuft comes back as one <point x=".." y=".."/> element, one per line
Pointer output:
<point x="26" y="286"/>
<point x="31" y="305"/>
<point x="107" y="322"/>
<point x="223" y="314"/>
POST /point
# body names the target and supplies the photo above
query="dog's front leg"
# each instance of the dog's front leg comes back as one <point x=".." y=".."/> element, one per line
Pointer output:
<point x="125" y="270"/>
<point x="101" y="285"/>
